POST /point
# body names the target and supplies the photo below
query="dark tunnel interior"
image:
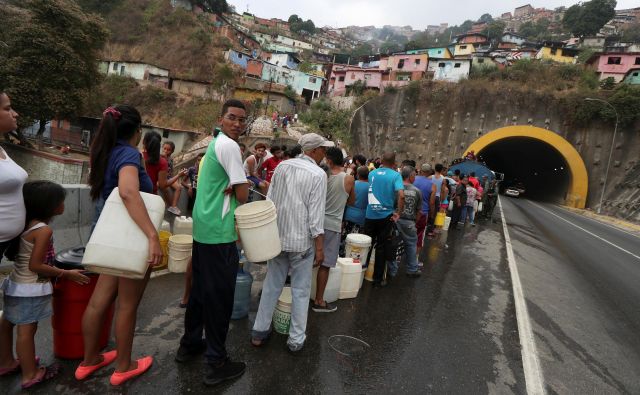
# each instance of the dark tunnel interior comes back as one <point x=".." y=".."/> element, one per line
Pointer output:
<point x="533" y="163"/>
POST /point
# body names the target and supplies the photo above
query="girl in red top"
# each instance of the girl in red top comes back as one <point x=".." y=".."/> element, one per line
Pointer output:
<point x="269" y="165"/>
<point x="156" y="165"/>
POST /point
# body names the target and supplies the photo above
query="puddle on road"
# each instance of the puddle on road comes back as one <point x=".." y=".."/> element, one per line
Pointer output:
<point x="350" y="351"/>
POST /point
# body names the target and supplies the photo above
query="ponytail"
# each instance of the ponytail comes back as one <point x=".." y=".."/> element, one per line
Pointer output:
<point x="151" y="143"/>
<point x="118" y="123"/>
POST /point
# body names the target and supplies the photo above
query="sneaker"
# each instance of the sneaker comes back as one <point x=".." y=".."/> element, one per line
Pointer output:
<point x="185" y="355"/>
<point x="295" y="351"/>
<point x="473" y="224"/>
<point x="174" y="210"/>
<point x="327" y="308"/>
<point x="224" y="371"/>
<point x="415" y="274"/>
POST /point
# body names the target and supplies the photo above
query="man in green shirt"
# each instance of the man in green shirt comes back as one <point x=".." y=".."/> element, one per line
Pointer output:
<point x="222" y="185"/>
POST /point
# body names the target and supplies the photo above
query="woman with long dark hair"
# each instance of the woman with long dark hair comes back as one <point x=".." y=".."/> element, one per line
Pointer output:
<point x="156" y="165"/>
<point x="116" y="162"/>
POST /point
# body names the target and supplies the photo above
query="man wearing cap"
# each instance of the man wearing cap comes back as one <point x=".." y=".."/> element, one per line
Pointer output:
<point x="298" y="190"/>
<point x="428" y="189"/>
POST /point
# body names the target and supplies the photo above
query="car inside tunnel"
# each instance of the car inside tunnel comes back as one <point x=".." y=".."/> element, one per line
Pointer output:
<point x="532" y="164"/>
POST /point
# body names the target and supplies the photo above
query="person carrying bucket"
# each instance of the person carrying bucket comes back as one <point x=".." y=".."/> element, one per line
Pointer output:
<point x="298" y="190"/>
<point x="222" y="185"/>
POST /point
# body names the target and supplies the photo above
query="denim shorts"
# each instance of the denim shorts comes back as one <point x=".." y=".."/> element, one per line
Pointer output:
<point x="20" y="310"/>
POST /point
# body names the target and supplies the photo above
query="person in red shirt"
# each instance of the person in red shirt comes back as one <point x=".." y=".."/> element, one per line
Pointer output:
<point x="156" y="165"/>
<point x="473" y="180"/>
<point x="269" y="165"/>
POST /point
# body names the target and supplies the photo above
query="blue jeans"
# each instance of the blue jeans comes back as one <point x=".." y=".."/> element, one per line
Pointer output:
<point x="467" y="212"/>
<point x="409" y="235"/>
<point x="300" y="264"/>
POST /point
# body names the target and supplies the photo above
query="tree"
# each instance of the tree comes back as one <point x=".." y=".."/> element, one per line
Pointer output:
<point x="588" y="18"/>
<point x="98" y="6"/>
<point x="495" y="30"/>
<point x="362" y="49"/>
<point x="50" y="62"/>
<point x="486" y="18"/>
<point x="212" y="6"/>
<point x="306" y="67"/>
<point x="300" y="26"/>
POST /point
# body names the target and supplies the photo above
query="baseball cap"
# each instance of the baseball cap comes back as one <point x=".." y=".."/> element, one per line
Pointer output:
<point x="425" y="167"/>
<point x="312" y="141"/>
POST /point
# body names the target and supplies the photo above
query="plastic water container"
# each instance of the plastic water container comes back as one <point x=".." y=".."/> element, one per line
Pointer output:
<point x="166" y="226"/>
<point x="242" y="296"/>
<point x="183" y="226"/>
<point x="164" y="236"/>
<point x="332" y="290"/>
<point x="447" y="223"/>
<point x="179" y="252"/>
<point x="282" y="313"/>
<point x="117" y="245"/>
<point x="258" y="228"/>
<point x="368" y="275"/>
<point x="351" y="275"/>
<point x="357" y="246"/>
<point x="440" y="218"/>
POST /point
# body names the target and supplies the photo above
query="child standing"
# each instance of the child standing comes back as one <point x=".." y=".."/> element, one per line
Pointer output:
<point x="173" y="182"/>
<point x="28" y="289"/>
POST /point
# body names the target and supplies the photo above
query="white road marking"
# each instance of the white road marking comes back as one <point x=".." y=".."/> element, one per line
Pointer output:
<point x="600" y="223"/>
<point x="530" y="362"/>
<point x="586" y="231"/>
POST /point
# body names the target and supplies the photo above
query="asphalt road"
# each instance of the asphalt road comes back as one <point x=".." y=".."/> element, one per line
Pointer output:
<point x="581" y="282"/>
<point x="451" y="331"/>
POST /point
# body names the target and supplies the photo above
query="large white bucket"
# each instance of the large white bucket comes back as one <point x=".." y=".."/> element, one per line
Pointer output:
<point x="332" y="290"/>
<point x="118" y="246"/>
<point x="282" y="313"/>
<point x="258" y="228"/>
<point x="447" y="223"/>
<point x="357" y="246"/>
<point x="351" y="277"/>
<point x="179" y="252"/>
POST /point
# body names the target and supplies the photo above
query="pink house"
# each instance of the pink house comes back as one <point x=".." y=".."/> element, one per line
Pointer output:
<point x="343" y="76"/>
<point x="615" y="64"/>
<point x="403" y="68"/>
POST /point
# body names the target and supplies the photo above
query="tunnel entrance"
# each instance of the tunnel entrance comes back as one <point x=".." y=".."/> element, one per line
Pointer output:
<point x="531" y="164"/>
<point x="546" y="164"/>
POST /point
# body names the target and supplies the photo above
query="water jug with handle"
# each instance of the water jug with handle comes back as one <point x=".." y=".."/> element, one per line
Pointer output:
<point x="118" y="246"/>
<point x="242" y="296"/>
<point x="183" y="226"/>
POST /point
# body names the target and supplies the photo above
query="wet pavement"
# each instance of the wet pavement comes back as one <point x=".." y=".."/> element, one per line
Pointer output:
<point x="451" y="331"/>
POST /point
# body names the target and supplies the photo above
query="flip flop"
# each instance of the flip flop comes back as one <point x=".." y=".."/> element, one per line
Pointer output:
<point x="118" y="378"/>
<point x="82" y="372"/>
<point x="15" y="369"/>
<point x="48" y="373"/>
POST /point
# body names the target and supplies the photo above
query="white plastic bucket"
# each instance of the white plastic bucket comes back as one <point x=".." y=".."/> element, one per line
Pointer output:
<point x="332" y="290"/>
<point x="447" y="223"/>
<point x="351" y="278"/>
<point x="179" y="252"/>
<point x="118" y="246"/>
<point x="357" y="246"/>
<point x="258" y="228"/>
<point x="282" y="313"/>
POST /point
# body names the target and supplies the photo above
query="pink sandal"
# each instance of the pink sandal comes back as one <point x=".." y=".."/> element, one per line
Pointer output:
<point x="48" y="373"/>
<point x="15" y="369"/>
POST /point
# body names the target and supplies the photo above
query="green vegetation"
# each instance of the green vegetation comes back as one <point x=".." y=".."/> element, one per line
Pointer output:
<point x="536" y="31"/>
<point x="412" y="91"/>
<point x="49" y="60"/>
<point x="212" y="6"/>
<point x="323" y="117"/>
<point x="290" y="93"/>
<point x="357" y="88"/>
<point x="631" y="33"/>
<point x="300" y="26"/>
<point x="586" y="19"/>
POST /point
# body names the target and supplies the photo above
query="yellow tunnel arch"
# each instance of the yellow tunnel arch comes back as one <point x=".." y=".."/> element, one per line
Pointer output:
<point x="578" y="188"/>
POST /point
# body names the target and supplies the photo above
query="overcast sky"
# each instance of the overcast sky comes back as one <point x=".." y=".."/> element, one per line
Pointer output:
<point x="417" y="13"/>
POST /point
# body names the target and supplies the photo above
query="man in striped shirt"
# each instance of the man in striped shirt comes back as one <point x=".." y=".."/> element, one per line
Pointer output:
<point x="298" y="190"/>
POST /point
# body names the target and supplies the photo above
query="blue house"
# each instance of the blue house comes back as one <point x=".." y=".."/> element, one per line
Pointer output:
<point x="238" y="58"/>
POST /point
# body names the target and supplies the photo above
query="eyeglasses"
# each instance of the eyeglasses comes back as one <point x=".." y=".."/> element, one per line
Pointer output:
<point x="233" y="118"/>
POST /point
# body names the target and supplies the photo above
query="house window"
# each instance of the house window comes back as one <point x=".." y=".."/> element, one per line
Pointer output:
<point x="614" y="60"/>
<point x="60" y="123"/>
<point x="457" y="65"/>
<point x="463" y="47"/>
<point x="401" y="63"/>
<point x="353" y="76"/>
<point x="637" y="60"/>
<point x="417" y="61"/>
<point x="165" y="134"/>
<point x="115" y="67"/>
<point x="439" y="52"/>
<point x="122" y="70"/>
<point x="635" y="74"/>
<point x="341" y="78"/>
<point x="367" y="76"/>
<point x="312" y="80"/>
<point x="480" y="60"/>
<point x="441" y="65"/>
<point x="553" y="51"/>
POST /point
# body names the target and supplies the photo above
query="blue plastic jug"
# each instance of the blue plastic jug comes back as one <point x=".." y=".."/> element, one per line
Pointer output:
<point x="242" y="296"/>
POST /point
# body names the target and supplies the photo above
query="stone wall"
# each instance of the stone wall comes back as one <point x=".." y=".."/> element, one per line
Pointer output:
<point x="442" y="120"/>
<point x="44" y="166"/>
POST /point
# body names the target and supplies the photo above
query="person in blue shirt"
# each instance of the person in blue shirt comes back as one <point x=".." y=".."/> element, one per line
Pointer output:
<point x="354" y="215"/>
<point x="385" y="185"/>
<point x="429" y="192"/>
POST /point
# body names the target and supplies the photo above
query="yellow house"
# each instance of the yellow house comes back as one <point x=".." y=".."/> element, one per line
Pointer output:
<point x="464" y="49"/>
<point x="555" y="52"/>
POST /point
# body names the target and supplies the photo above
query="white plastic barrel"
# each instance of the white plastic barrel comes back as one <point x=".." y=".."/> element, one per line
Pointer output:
<point x="447" y="223"/>
<point x="357" y="246"/>
<point x="258" y="228"/>
<point x="117" y="245"/>
<point x="351" y="277"/>
<point x="282" y="313"/>
<point x="183" y="226"/>
<point x="166" y="226"/>
<point x="179" y="252"/>
<point x="332" y="290"/>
